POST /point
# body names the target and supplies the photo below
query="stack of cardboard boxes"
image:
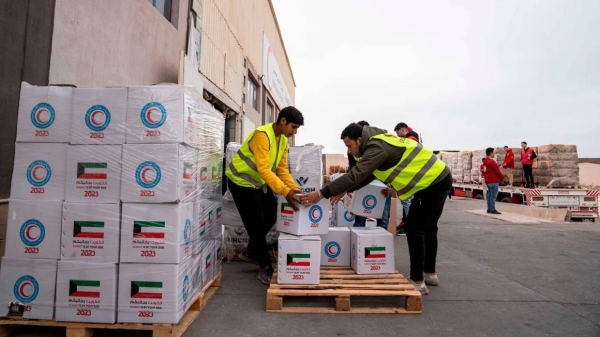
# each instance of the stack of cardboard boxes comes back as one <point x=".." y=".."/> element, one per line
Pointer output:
<point x="130" y="219"/>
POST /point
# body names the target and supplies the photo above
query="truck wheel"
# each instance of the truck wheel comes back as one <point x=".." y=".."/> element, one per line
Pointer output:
<point x="505" y="199"/>
<point x="479" y="196"/>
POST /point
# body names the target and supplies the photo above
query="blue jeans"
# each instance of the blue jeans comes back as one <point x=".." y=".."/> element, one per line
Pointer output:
<point x="492" y="194"/>
<point x="385" y="218"/>
<point x="406" y="207"/>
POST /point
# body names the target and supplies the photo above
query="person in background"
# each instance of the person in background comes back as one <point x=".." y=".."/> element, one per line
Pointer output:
<point x="361" y="221"/>
<point x="509" y="164"/>
<point x="403" y="130"/>
<point x="257" y="172"/>
<point x="527" y="157"/>
<point x="411" y="170"/>
<point x="493" y="177"/>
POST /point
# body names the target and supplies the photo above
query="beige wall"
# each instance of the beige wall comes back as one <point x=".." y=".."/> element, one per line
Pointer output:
<point x="589" y="174"/>
<point x="116" y="42"/>
<point x="334" y="160"/>
<point x="232" y="29"/>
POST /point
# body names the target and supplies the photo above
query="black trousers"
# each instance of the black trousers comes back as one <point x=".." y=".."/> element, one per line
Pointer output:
<point x="528" y="171"/>
<point x="422" y="227"/>
<point x="258" y="211"/>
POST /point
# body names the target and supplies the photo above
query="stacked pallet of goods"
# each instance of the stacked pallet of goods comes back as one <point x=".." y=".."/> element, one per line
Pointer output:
<point x="108" y="197"/>
<point x="556" y="165"/>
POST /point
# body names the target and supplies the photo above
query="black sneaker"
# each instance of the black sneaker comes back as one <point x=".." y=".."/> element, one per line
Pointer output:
<point x="244" y="256"/>
<point x="265" y="275"/>
<point x="489" y="211"/>
<point x="495" y="212"/>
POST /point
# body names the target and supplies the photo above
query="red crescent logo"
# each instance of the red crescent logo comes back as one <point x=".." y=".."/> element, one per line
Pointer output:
<point x="93" y="117"/>
<point x="330" y="250"/>
<point x="28" y="233"/>
<point x="34" y="173"/>
<point x="315" y="213"/>
<point x="38" y="116"/>
<point x="22" y="289"/>
<point x="369" y="202"/>
<point x="144" y="171"/>
<point x="149" y="116"/>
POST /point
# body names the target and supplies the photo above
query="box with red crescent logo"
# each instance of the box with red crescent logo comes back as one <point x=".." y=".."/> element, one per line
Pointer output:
<point x="311" y="220"/>
<point x="99" y="116"/>
<point x="372" y="250"/>
<point x="299" y="259"/>
<point x="335" y="247"/>
<point x="367" y="202"/>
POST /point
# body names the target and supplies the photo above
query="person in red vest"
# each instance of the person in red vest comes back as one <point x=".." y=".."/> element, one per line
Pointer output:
<point x="527" y="157"/>
<point x="493" y="177"/>
<point x="509" y="164"/>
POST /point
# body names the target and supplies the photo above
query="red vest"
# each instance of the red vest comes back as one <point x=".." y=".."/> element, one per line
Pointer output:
<point x="526" y="156"/>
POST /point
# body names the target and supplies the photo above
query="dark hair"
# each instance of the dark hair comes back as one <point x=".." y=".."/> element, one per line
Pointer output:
<point x="400" y="126"/>
<point x="363" y="123"/>
<point x="352" y="131"/>
<point x="505" y="146"/>
<point x="489" y="150"/>
<point x="524" y="143"/>
<point x="414" y="134"/>
<point x="291" y="115"/>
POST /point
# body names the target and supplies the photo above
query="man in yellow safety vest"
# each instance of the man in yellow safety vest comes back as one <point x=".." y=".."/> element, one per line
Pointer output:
<point x="412" y="170"/>
<point x="257" y="172"/>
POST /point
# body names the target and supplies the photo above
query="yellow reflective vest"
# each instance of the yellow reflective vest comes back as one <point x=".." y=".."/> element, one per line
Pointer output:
<point x="417" y="169"/>
<point x="243" y="171"/>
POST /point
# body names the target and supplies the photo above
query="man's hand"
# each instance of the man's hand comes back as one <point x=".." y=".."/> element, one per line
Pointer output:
<point x="292" y="199"/>
<point x="387" y="190"/>
<point x="337" y="198"/>
<point x="310" y="198"/>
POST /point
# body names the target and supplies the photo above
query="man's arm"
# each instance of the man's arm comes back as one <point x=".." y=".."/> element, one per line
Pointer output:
<point x="259" y="145"/>
<point x="283" y="172"/>
<point x="496" y="170"/>
<point x="373" y="157"/>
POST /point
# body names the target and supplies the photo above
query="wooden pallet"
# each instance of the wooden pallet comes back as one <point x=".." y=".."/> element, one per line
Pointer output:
<point x="343" y="284"/>
<point x="75" y="329"/>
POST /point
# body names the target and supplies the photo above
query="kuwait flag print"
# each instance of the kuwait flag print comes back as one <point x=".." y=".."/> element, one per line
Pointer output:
<point x="84" y="288"/>
<point x="375" y="253"/>
<point x="298" y="260"/>
<point x="88" y="229"/>
<point x="146" y="289"/>
<point x="91" y="170"/>
<point x="149" y="229"/>
<point x="188" y="170"/>
<point x="286" y="209"/>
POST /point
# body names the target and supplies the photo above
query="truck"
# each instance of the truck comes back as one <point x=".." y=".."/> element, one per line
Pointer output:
<point x="583" y="203"/>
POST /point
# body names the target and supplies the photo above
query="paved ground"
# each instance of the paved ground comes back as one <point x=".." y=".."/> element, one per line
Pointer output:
<point x="499" y="278"/>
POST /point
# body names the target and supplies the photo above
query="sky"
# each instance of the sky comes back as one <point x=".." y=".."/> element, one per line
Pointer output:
<point x="464" y="74"/>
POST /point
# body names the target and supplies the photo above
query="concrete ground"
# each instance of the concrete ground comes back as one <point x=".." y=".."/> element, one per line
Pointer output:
<point x="498" y="278"/>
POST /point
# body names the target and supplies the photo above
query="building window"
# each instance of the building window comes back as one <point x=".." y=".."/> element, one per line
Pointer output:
<point x="252" y="97"/>
<point x="269" y="118"/>
<point x="163" y="6"/>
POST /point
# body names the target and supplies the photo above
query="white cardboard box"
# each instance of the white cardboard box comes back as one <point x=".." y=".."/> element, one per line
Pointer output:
<point x="372" y="250"/>
<point x="196" y="270"/>
<point x="156" y="173"/>
<point x="157" y="114"/>
<point x="335" y="247"/>
<point x="90" y="232"/>
<point x="156" y="233"/>
<point x="33" y="229"/>
<point x="93" y="173"/>
<point x="341" y="216"/>
<point x="368" y="201"/>
<point x="44" y="114"/>
<point x="299" y="259"/>
<point x="208" y="257"/>
<point x="218" y="243"/>
<point x="154" y="293"/>
<point x="311" y="220"/>
<point x="39" y="171"/>
<point x="31" y="282"/>
<point x="86" y="292"/>
<point x="99" y="116"/>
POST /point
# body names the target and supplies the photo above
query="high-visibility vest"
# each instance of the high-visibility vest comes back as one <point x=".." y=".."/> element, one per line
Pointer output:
<point x="417" y="169"/>
<point x="243" y="171"/>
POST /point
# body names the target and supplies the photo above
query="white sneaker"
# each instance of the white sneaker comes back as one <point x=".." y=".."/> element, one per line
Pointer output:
<point x="431" y="279"/>
<point x="420" y="287"/>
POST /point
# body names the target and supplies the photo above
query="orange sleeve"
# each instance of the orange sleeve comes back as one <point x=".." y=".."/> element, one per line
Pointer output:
<point x="283" y="172"/>
<point x="259" y="145"/>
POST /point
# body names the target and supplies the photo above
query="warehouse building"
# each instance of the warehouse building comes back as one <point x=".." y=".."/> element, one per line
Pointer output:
<point x="232" y="50"/>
